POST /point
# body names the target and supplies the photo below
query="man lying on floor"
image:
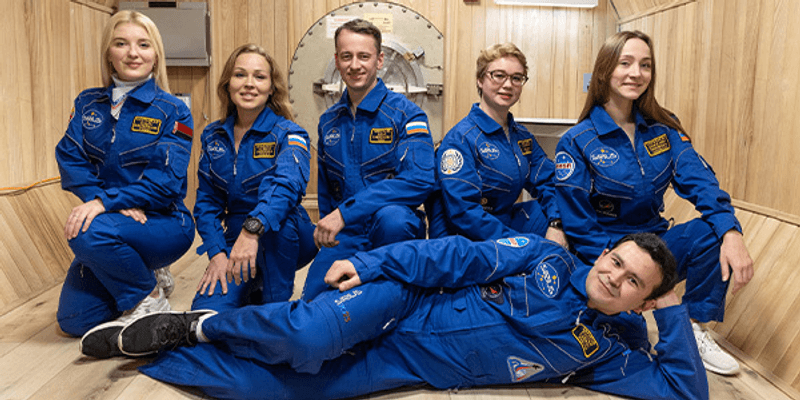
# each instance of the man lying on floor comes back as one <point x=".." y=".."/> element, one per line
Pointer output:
<point x="450" y="313"/>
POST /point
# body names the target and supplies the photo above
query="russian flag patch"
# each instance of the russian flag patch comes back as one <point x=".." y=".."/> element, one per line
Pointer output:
<point x="299" y="141"/>
<point x="413" y="128"/>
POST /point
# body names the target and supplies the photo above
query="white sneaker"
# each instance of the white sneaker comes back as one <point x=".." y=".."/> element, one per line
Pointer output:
<point x="714" y="358"/>
<point x="165" y="280"/>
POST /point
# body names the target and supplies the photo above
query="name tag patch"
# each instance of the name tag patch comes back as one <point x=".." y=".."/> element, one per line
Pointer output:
<point x="657" y="146"/>
<point x="264" y="150"/>
<point x="526" y="146"/>
<point x="381" y="135"/>
<point x="585" y="338"/>
<point x="150" y="126"/>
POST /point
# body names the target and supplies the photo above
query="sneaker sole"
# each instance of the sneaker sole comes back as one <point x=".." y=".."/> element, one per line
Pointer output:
<point x="133" y="354"/>
<point x="713" y="369"/>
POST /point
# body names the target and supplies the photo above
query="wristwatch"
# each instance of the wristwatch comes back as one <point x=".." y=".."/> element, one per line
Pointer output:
<point x="253" y="225"/>
<point x="556" y="223"/>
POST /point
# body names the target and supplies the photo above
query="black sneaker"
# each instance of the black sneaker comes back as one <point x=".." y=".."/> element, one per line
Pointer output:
<point x="150" y="333"/>
<point x="102" y="340"/>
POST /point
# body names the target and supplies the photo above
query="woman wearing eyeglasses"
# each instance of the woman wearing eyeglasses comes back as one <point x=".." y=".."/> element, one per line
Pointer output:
<point x="487" y="159"/>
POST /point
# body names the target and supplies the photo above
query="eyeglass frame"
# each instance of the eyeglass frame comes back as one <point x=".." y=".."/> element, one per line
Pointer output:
<point x="507" y="77"/>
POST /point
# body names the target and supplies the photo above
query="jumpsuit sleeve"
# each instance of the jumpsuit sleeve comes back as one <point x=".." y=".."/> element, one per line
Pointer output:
<point x="78" y="175"/>
<point x="452" y="261"/>
<point x="461" y="191"/>
<point x="280" y="192"/>
<point x="541" y="183"/>
<point x="209" y="207"/>
<point x="675" y="372"/>
<point x="412" y="184"/>
<point x="163" y="181"/>
<point x="573" y="188"/>
<point x="695" y="181"/>
<point x="324" y="199"/>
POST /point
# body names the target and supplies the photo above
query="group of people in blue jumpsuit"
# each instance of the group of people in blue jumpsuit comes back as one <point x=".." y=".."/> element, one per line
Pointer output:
<point x="506" y="291"/>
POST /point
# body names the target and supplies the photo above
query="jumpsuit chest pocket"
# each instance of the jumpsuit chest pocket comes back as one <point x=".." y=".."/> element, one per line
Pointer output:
<point x="379" y="162"/>
<point x="139" y="156"/>
<point x="252" y="182"/>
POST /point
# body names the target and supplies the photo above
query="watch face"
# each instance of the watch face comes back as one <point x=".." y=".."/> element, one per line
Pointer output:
<point x="253" y="225"/>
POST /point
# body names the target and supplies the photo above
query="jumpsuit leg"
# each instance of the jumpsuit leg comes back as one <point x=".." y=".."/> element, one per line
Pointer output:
<point x="528" y="217"/>
<point x="696" y="248"/>
<point x="350" y="242"/>
<point x="121" y="254"/>
<point x="438" y="226"/>
<point x="393" y="224"/>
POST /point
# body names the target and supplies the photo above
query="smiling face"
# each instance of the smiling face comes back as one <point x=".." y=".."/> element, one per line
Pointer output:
<point x="501" y="96"/>
<point x="621" y="279"/>
<point x="131" y="53"/>
<point x="358" y="61"/>
<point x="633" y="72"/>
<point x="250" y="85"/>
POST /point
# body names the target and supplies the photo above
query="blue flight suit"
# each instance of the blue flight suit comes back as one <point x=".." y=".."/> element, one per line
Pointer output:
<point x="448" y="312"/>
<point x="138" y="161"/>
<point x="481" y="175"/>
<point x="266" y="179"/>
<point x="376" y="168"/>
<point x="608" y="188"/>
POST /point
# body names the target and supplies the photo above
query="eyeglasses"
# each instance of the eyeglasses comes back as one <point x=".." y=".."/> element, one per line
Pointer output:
<point x="500" y="77"/>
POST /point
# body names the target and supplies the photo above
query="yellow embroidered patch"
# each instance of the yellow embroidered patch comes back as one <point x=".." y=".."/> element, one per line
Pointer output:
<point x="146" y="125"/>
<point x="585" y="338"/>
<point x="381" y="135"/>
<point x="657" y="146"/>
<point x="526" y="146"/>
<point x="264" y="150"/>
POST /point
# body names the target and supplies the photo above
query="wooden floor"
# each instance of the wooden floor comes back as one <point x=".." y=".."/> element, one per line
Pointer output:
<point x="39" y="362"/>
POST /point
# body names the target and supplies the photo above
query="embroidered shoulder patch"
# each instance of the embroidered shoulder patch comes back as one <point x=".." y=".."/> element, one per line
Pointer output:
<point x="518" y="241"/>
<point x="150" y="126"/>
<point x="526" y="146"/>
<point x="299" y="141"/>
<point x="452" y="161"/>
<point x="547" y="279"/>
<point x="381" y="135"/>
<point x="657" y="146"/>
<point x="264" y="150"/>
<point x="684" y="138"/>
<point x="585" y="338"/>
<point x="565" y="165"/>
<point x="413" y="128"/>
<point x="522" y="369"/>
<point x="183" y="131"/>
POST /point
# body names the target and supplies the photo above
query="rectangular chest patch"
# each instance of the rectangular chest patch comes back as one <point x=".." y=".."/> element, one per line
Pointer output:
<point x="381" y="135"/>
<point x="264" y="150"/>
<point x="585" y="338"/>
<point x="526" y="146"/>
<point x="146" y="125"/>
<point x="657" y="146"/>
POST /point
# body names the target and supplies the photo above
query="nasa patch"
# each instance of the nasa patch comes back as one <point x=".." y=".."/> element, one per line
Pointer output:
<point x="452" y="161"/>
<point x="547" y="279"/>
<point x="489" y="151"/>
<point x="518" y="241"/>
<point x="522" y="369"/>
<point x="565" y="165"/>
<point x="91" y="119"/>
<point x="332" y="137"/>
<point x="215" y="149"/>
<point x="604" y="157"/>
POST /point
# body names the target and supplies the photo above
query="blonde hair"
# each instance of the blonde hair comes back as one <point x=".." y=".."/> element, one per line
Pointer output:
<point x="134" y="17"/>
<point x="496" y="52"/>
<point x="278" y="101"/>
<point x="604" y="66"/>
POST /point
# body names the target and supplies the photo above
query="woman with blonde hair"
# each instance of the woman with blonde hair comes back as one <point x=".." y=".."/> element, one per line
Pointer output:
<point x="253" y="173"/>
<point x="613" y="168"/>
<point x="125" y="154"/>
<point x="488" y="159"/>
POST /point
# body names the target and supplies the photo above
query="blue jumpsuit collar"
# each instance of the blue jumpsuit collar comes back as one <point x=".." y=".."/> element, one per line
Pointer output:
<point x="144" y="93"/>
<point x="578" y="280"/>
<point x="264" y="123"/>
<point x="485" y="123"/>
<point x="604" y="124"/>
<point x="371" y="101"/>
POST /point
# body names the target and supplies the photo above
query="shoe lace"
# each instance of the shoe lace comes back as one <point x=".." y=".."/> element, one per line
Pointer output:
<point x="705" y="342"/>
<point x="173" y="333"/>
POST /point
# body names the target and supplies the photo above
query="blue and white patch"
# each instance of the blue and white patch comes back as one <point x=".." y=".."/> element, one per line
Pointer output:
<point x="604" y="157"/>
<point x="518" y="241"/>
<point x="215" y="149"/>
<point x="522" y="369"/>
<point x="332" y="137"/>
<point x="488" y="151"/>
<point x="91" y="119"/>
<point x="452" y="161"/>
<point x="565" y="165"/>
<point x="547" y="279"/>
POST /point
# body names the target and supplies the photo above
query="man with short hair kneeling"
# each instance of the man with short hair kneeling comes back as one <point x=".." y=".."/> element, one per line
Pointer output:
<point x="450" y="313"/>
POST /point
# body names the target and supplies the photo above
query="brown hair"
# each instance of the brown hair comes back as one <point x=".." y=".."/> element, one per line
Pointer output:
<point x="604" y="66"/>
<point x="134" y="17"/>
<point x="496" y="52"/>
<point x="278" y="101"/>
<point x="361" y="26"/>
